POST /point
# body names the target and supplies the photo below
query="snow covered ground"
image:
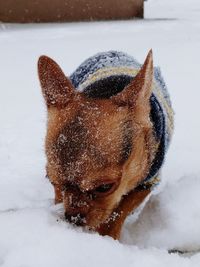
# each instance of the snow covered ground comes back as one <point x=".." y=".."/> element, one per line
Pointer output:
<point x="31" y="231"/>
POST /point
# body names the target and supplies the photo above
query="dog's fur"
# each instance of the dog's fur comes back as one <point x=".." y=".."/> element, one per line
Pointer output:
<point x="98" y="150"/>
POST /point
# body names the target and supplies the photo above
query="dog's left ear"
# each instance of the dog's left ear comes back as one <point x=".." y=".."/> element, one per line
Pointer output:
<point x="137" y="93"/>
<point x="57" y="89"/>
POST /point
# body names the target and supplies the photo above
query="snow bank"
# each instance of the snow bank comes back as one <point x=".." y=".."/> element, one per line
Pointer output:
<point x="170" y="219"/>
<point x="34" y="237"/>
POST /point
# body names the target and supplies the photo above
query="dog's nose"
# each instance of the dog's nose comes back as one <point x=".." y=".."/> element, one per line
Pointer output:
<point x="77" y="219"/>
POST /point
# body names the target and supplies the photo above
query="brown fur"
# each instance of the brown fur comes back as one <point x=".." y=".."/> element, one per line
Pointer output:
<point x="98" y="150"/>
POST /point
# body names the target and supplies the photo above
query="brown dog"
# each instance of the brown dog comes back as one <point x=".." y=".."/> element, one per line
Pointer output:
<point x="99" y="149"/>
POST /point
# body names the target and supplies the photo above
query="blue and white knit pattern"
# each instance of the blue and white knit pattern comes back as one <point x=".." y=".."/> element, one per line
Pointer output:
<point x="118" y="64"/>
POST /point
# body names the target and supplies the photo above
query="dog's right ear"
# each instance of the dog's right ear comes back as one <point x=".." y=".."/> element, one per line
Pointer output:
<point x="57" y="89"/>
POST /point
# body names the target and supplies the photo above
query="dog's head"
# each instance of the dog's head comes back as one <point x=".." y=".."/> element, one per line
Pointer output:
<point x="97" y="150"/>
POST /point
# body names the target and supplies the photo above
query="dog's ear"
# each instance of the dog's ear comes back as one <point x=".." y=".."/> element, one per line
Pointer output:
<point x="137" y="93"/>
<point x="57" y="89"/>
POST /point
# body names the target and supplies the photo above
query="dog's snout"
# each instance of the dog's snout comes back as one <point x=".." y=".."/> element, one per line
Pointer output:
<point x="76" y="207"/>
<point x="77" y="219"/>
<point x="74" y="201"/>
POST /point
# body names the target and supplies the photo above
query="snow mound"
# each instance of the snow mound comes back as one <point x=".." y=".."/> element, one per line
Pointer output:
<point x="169" y="220"/>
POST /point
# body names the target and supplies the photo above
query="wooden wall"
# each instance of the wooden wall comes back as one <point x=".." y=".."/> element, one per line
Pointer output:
<point x="23" y="11"/>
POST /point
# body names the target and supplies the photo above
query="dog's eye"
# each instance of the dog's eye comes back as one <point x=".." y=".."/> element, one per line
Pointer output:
<point x="104" y="189"/>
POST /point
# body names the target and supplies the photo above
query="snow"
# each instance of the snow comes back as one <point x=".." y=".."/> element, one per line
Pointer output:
<point x="32" y="232"/>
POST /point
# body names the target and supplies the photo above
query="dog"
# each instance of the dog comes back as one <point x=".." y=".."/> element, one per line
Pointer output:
<point x="109" y="127"/>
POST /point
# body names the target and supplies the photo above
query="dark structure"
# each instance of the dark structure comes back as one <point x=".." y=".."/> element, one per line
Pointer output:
<point x="25" y="11"/>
